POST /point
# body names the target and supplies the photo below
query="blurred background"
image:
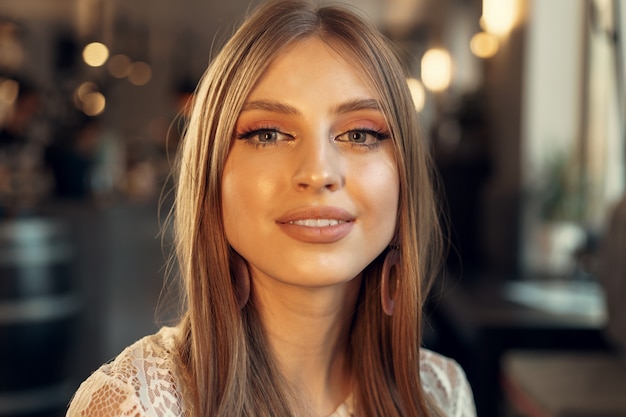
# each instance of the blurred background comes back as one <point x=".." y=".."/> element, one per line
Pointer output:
<point x="523" y="105"/>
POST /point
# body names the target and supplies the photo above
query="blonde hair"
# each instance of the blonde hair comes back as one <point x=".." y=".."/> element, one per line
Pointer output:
<point x="225" y="360"/>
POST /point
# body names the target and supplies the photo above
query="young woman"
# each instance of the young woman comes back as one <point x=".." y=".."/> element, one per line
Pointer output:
<point x="306" y="233"/>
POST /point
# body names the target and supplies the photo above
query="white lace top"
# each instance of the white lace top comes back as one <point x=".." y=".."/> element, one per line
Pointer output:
<point x="141" y="382"/>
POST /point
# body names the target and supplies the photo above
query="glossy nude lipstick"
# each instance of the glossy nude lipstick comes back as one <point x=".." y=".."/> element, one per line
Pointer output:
<point x="317" y="224"/>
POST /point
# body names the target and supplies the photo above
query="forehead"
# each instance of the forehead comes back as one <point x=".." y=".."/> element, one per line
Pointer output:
<point x="331" y="66"/>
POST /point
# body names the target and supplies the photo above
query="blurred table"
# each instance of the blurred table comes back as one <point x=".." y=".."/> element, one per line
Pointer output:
<point x="478" y="322"/>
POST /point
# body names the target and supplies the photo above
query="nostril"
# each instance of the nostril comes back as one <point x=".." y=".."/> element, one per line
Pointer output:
<point x="330" y="182"/>
<point x="319" y="166"/>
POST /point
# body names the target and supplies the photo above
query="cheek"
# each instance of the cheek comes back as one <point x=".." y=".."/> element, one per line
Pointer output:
<point x="247" y="188"/>
<point x="247" y="182"/>
<point x="379" y="190"/>
<point x="387" y="202"/>
<point x="383" y="189"/>
<point x="235" y="194"/>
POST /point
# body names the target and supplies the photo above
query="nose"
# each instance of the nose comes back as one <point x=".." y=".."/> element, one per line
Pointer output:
<point x="319" y="165"/>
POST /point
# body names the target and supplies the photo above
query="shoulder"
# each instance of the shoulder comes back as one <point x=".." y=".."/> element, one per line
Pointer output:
<point x="445" y="383"/>
<point x="141" y="381"/>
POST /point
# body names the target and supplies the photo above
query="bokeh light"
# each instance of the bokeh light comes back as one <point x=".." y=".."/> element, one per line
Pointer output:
<point x="119" y="66"/>
<point x="89" y="99"/>
<point x="417" y="93"/>
<point x="436" y="69"/>
<point x="484" y="45"/>
<point x="94" y="103"/>
<point x="140" y="73"/>
<point x="95" y="54"/>
<point x="499" y="16"/>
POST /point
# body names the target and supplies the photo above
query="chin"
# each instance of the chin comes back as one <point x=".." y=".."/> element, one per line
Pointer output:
<point x="322" y="277"/>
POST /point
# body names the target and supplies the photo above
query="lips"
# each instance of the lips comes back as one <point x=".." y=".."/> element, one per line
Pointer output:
<point x="317" y="224"/>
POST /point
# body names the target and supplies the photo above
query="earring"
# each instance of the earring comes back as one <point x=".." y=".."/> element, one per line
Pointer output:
<point x="388" y="281"/>
<point x="241" y="279"/>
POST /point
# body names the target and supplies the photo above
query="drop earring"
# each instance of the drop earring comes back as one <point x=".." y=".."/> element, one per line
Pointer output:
<point x="389" y="280"/>
<point x="241" y="279"/>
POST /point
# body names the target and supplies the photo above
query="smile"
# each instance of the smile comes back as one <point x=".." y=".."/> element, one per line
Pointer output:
<point x="317" y="222"/>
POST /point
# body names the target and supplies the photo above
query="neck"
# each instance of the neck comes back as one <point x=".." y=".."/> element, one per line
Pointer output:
<point x="308" y="331"/>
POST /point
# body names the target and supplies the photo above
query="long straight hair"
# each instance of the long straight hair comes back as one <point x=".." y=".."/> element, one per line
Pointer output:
<point x="226" y="364"/>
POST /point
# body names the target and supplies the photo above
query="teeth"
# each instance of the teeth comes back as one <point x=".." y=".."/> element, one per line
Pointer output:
<point x="317" y="222"/>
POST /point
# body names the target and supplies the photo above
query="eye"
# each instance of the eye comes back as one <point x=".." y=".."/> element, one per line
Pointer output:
<point x="362" y="136"/>
<point x="264" y="136"/>
<point x="267" y="136"/>
<point x="358" y="137"/>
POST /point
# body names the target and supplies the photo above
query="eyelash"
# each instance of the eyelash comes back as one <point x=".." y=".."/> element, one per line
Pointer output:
<point x="249" y="134"/>
<point x="378" y="135"/>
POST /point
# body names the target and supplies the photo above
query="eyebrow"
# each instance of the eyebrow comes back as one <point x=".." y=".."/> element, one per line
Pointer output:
<point x="357" y="105"/>
<point x="343" y="108"/>
<point x="271" y="106"/>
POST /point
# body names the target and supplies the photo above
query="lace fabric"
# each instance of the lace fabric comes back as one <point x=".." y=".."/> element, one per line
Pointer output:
<point x="141" y="382"/>
<point x="444" y="381"/>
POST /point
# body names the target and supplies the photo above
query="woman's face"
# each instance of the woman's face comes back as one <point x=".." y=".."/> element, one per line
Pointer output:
<point x="310" y="187"/>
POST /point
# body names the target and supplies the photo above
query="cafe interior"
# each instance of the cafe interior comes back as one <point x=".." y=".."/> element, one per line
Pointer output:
<point x="522" y="103"/>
